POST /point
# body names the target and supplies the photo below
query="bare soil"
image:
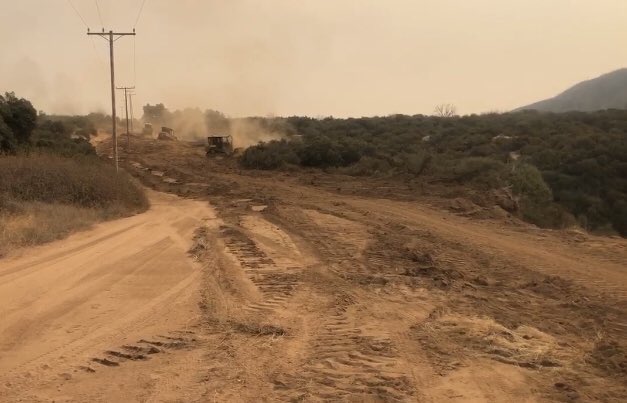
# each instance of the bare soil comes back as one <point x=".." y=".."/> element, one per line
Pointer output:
<point x="304" y="286"/>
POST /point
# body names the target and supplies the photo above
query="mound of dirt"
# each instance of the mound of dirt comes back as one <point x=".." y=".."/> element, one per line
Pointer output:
<point x="461" y="205"/>
<point x="505" y="199"/>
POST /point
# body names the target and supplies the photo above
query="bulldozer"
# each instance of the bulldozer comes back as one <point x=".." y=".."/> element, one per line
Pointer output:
<point x="147" y="131"/>
<point x="166" y="134"/>
<point x="219" y="145"/>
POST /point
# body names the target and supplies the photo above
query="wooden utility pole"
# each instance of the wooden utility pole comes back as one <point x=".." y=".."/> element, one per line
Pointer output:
<point x="128" y="136"/>
<point x="130" y="101"/>
<point x="109" y="36"/>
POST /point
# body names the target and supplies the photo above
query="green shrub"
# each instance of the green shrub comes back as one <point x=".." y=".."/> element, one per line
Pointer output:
<point x="320" y="152"/>
<point x="18" y="119"/>
<point x="55" y="136"/>
<point x="482" y="172"/>
<point x="528" y="183"/>
<point x="272" y="155"/>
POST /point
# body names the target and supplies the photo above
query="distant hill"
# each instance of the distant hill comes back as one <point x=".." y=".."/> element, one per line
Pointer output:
<point x="608" y="91"/>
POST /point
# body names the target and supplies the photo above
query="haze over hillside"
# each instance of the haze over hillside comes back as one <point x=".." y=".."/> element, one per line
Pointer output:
<point x="608" y="91"/>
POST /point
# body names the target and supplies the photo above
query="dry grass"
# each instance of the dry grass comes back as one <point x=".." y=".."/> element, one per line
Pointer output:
<point x="80" y="181"/>
<point x="524" y="346"/>
<point x="44" y="198"/>
<point x="41" y="222"/>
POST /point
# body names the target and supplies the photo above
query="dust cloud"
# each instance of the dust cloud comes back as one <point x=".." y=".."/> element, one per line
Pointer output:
<point x="193" y="124"/>
<point x="189" y="124"/>
<point x="248" y="132"/>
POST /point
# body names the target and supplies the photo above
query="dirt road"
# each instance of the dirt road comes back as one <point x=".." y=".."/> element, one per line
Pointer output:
<point x="80" y="305"/>
<point x="310" y="292"/>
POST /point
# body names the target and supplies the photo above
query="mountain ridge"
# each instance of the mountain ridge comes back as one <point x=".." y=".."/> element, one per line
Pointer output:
<point x="608" y="91"/>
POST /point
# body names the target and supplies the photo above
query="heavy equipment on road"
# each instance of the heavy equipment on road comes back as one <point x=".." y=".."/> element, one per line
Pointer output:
<point x="147" y="131"/>
<point x="219" y="145"/>
<point x="166" y="134"/>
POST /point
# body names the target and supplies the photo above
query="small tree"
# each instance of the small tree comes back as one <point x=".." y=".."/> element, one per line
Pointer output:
<point x="528" y="183"/>
<point x="19" y="120"/>
<point x="535" y="197"/>
<point x="8" y="142"/>
<point x="445" y="110"/>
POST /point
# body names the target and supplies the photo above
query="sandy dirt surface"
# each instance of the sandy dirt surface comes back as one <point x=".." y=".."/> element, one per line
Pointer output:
<point x="74" y="312"/>
<point x="306" y="287"/>
<point x="348" y="290"/>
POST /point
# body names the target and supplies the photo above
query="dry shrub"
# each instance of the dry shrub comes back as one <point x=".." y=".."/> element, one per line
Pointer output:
<point x="41" y="222"/>
<point x="86" y="182"/>
<point x="45" y="197"/>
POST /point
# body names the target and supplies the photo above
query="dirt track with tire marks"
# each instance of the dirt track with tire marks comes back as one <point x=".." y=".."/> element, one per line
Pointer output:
<point x="441" y="306"/>
<point x="307" y="293"/>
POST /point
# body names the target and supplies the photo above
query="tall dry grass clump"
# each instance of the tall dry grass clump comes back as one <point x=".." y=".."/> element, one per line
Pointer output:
<point x="45" y="197"/>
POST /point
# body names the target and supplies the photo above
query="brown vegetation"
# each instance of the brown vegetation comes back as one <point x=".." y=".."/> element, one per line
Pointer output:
<point x="45" y="197"/>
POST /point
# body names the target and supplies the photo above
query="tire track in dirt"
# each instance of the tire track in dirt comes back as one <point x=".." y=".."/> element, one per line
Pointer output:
<point x="348" y="361"/>
<point x="143" y="349"/>
<point x="348" y="355"/>
<point x="277" y="283"/>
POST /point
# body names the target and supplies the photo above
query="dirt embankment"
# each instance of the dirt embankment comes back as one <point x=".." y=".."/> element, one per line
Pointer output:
<point x="308" y="292"/>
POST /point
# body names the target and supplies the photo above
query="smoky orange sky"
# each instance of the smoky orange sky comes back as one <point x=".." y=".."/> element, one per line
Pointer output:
<point x="310" y="57"/>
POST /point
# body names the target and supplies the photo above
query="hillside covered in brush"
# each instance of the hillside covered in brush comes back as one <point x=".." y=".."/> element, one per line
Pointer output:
<point x="608" y="91"/>
<point x="562" y="167"/>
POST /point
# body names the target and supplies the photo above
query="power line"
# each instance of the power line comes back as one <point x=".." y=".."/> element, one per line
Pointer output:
<point x="93" y="45"/>
<point x="139" y="13"/>
<point x="77" y="13"/>
<point x="99" y="15"/>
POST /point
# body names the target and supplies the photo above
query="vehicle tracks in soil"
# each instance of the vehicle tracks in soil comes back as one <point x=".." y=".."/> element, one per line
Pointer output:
<point x="276" y="283"/>
<point x="344" y="355"/>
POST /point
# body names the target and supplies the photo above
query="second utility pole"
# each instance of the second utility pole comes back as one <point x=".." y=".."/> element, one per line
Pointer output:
<point x="109" y="36"/>
<point x="128" y="136"/>
<point x="130" y="105"/>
